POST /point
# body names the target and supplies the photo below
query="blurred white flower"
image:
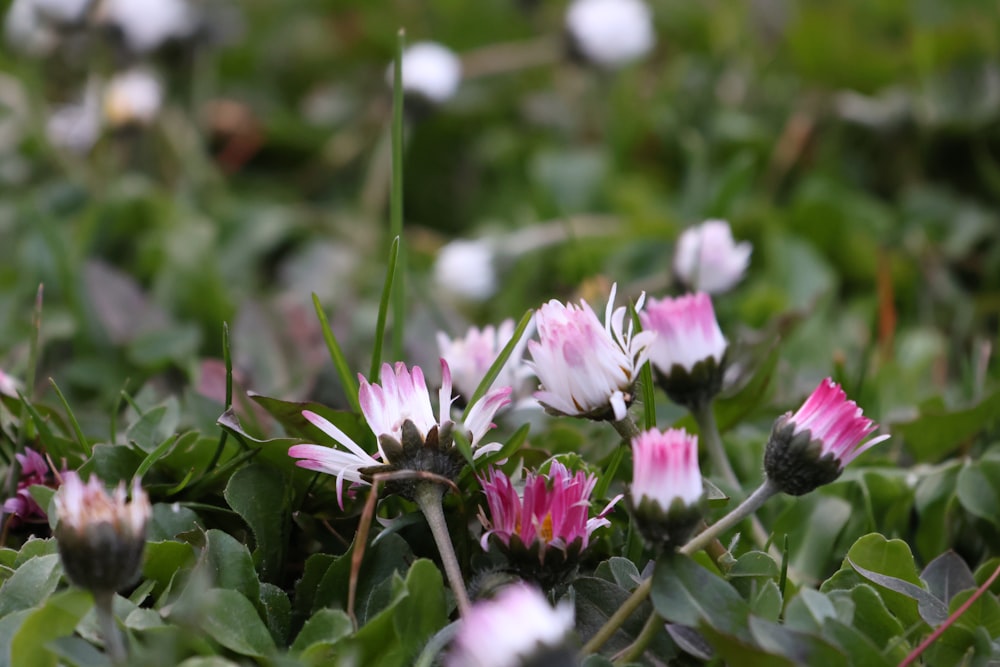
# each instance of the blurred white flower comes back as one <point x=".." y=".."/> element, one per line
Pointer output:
<point x="26" y="31"/>
<point x="516" y="628"/>
<point x="471" y="356"/>
<point x="63" y="11"/>
<point x="466" y="269"/>
<point x="611" y="33"/>
<point x="430" y="70"/>
<point x="133" y="96"/>
<point x="707" y="259"/>
<point x="76" y="126"/>
<point x="146" y="24"/>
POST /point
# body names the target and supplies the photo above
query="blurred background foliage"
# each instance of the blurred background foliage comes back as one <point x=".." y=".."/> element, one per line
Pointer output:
<point x="856" y="144"/>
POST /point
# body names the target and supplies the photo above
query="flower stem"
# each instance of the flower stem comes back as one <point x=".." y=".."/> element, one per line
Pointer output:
<point x="103" y="604"/>
<point x="698" y="542"/>
<point x="428" y="497"/>
<point x="710" y="437"/>
<point x="626" y="428"/>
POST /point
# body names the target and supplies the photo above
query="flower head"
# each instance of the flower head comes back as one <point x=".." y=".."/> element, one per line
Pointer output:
<point x="667" y="494"/>
<point x="410" y="435"/>
<point x="545" y="528"/>
<point x="515" y="629"/>
<point x="22" y="506"/>
<point x="811" y="447"/>
<point x="610" y="33"/>
<point x="148" y="24"/>
<point x="133" y="97"/>
<point x="430" y="70"/>
<point x="471" y="356"/>
<point x="707" y="259"/>
<point x="466" y="269"/>
<point x="101" y="537"/>
<point x="689" y="349"/>
<point x="586" y="369"/>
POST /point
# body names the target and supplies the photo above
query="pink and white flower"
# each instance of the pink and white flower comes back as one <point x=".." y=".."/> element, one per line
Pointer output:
<point x="511" y="629"/>
<point x="471" y="356"/>
<point x="401" y="396"/>
<point x="587" y="369"/>
<point x="611" y="33"/>
<point x="101" y="537"/>
<point x="686" y="332"/>
<point x="665" y="468"/>
<point x="707" y="259"/>
<point x="811" y="447"/>
<point x="553" y="511"/>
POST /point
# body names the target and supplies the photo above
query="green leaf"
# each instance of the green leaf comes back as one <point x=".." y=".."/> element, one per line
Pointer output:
<point x="381" y="560"/>
<point x="152" y="428"/>
<point x="498" y="364"/>
<point x="938" y="431"/>
<point x="260" y="495"/>
<point x="686" y="593"/>
<point x="232" y="620"/>
<point x="983" y="613"/>
<point x="9" y="625"/>
<point x="873" y="618"/>
<point x="326" y="626"/>
<point x="277" y="612"/>
<point x="800" y="647"/>
<point x="228" y="564"/>
<point x="978" y="489"/>
<point x="56" y="618"/>
<point x="289" y="415"/>
<point x="767" y="603"/>
<point x="77" y="652"/>
<point x="595" y="602"/>
<point x="30" y="584"/>
<point x="347" y="381"/>
<point x="809" y="610"/>
<point x="947" y="575"/>
<point x="813" y="523"/>
<point x="170" y="520"/>
<point x="163" y="559"/>
<point x="112" y="463"/>
<point x="860" y="650"/>
<point x="894" y="556"/>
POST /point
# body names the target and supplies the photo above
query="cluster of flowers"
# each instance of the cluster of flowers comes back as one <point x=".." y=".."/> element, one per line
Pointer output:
<point x="130" y="96"/>
<point x="586" y="368"/>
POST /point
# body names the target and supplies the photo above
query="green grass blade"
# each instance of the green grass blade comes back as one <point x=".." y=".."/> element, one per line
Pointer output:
<point x="396" y="200"/>
<point x="228" y="359"/>
<point x="501" y="359"/>
<point x="347" y="381"/>
<point x="77" y="431"/>
<point x="383" y="310"/>
<point x="645" y="380"/>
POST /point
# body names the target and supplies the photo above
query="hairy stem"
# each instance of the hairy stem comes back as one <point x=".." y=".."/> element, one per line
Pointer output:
<point x="700" y="541"/>
<point x="103" y="604"/>
<point x="428" y="497"/>
<point x="626" y="428"/>
<point x="710" y="437"/>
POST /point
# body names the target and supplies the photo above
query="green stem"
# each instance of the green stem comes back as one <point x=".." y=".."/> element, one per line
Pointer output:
<point x="626" y="428"/>
<point x="698" y="542"/>
<point x="710" y="437"/>
<point x="636" y="648"/>
<point x="104" y="607"/>
<point x="428" y="497"/>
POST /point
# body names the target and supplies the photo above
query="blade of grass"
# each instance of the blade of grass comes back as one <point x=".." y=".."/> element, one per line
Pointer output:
<point x="501" y="359"/>
<point x="383" y="308"/>
<point x="347" y="381"/>
<point x="228" y="359"/>
<point x="645" y="380"/>
<point x="23" y="431"/>
<point x="77" y="431"/>
<point x="396" y="199"/>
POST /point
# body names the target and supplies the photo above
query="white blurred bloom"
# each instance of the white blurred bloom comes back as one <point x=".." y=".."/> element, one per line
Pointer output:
<point x="63" y="11"/>
<point x="511" y="629"/>
<point x="431" y="70"/>
<point x="611" y="33"/>
<point x="76" y="126"/>
<point x="133" y="96"/>
<point x="470" y="356"/>
<point x="9" y="385"/>
<point x="466" y="269"/>
<point x="707" y="259"/>
<point x="27" y="32"/>
<point x="146" y="24"/>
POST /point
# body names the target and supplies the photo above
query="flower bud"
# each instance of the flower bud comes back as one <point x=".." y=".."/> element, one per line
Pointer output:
<point x="517" y="628"/>
<point x="688" y="353"/>
<point x="707" y="259"/>
<point x="811" y="447"/>
<point x="101" y="537"/>
<point x="610" y="33"/>
<point x="667" y="496"/>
